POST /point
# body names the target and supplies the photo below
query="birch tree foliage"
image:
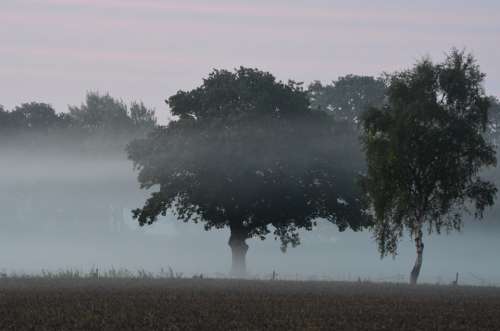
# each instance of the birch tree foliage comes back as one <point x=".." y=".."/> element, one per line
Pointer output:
<point x="425" y="148"/>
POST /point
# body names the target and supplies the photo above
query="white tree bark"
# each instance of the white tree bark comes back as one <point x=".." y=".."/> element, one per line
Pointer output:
<point x="415" y="272"/>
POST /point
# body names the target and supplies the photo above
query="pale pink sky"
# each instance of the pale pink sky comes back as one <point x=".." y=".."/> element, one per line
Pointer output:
<point x="55" y="50"/>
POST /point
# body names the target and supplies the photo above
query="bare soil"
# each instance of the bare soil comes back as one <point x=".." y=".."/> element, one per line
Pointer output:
<point x="214" y="304"/>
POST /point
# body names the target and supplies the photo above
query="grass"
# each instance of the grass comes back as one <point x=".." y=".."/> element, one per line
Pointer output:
<point x="96" y="273"/>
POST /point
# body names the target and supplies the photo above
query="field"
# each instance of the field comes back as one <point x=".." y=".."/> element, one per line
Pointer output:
<point x="214" y="304"/>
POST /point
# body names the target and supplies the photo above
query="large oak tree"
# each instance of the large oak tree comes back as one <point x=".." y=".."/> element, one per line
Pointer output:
<point x="247" y="152"/>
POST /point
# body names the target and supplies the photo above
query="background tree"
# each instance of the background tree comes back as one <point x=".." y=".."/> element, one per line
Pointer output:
<point x="31" y="124"/>
<point x="35" y="116"/>
<point x="102" y="113"/>
<point x="108" y="123"/>
<point x="424" y="151"/>
<point x="345" y="99"/>
<point x="248" y="153"/>
<point x="143" y="118"/>
<point x="493" y="131"/>
<point x="101" y="124"/>
<point x="348" y="97"/>
<point x="4" y="120"/>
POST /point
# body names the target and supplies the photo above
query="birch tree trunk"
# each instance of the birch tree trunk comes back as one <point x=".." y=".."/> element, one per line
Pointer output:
<point x="415" y="272"/>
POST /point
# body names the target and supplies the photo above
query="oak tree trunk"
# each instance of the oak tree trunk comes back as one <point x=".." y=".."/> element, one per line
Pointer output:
<point x="239" y="250"/>
<point x="415" y="272"/>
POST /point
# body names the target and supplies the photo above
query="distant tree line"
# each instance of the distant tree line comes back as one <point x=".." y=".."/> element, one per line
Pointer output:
<point x="89" y="194"/>
<point x="102" y="116"/>
<point x="100" y="121"/>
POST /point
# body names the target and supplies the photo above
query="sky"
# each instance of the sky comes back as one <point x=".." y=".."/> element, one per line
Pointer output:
<point x="55" y="51"/>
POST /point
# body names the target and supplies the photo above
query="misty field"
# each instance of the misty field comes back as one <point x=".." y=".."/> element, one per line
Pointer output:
<point x="209" y="304"/>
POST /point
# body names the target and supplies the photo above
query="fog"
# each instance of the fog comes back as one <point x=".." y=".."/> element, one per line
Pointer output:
<point x="62" y="209"/>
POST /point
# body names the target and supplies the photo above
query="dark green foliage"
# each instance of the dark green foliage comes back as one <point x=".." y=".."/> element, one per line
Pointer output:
<point x="247" y="152"/>
<point x="142" y="118"/>
<point x="348" y="97"/>
<point x="425" y="149"/>
<point x="35" y="116"/>
<point x="345" y="99"/>
<point x="494" y="120"/>
<point x="105" y="114"/>
<point x="101" y="122"/>
<point x="101" y="113"/>
<point x="5" y="120"/>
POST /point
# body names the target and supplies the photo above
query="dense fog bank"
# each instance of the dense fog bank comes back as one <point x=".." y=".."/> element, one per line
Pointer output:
<point x="62" y="210"/>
